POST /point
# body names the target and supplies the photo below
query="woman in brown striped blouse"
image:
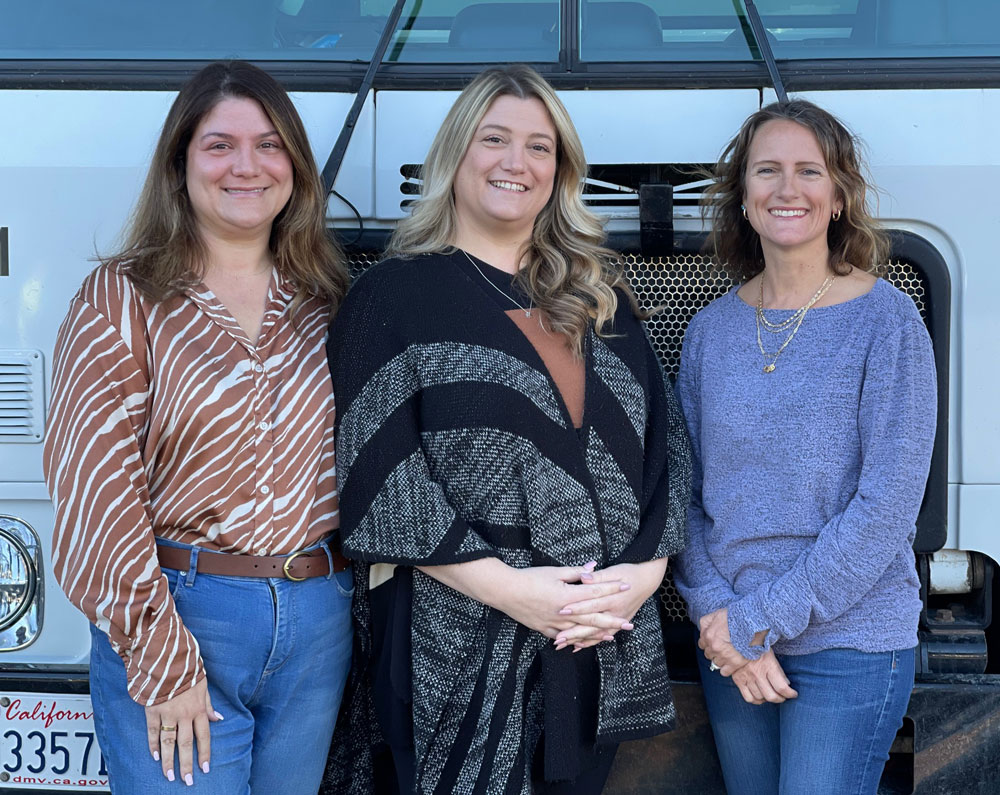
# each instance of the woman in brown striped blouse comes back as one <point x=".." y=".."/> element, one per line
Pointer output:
<point x="190" y="457"/>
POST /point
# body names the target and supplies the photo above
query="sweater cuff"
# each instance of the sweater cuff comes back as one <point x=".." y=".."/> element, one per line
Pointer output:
<point x="746" y="619"/>
<point x="701" y="605"/>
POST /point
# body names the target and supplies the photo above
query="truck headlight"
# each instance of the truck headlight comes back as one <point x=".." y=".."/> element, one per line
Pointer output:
<point x="18" y="571"/>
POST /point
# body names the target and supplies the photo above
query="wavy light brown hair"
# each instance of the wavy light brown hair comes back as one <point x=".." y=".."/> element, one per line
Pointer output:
<point x="567" y="271"/>
<point x="856" y="239"/>
<point x="162" y="249"/>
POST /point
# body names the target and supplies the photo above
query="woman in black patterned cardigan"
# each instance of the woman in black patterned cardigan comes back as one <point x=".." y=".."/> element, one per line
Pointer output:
<point x="513" y="468"/>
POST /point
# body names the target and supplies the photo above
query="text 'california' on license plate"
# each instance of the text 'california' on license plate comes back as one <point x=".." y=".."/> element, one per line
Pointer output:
<point x="47" y="741"/>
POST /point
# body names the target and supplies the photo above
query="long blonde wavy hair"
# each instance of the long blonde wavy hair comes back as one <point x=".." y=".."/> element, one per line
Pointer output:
<point x="566" y="269"/>
<point x="162" y="249"/>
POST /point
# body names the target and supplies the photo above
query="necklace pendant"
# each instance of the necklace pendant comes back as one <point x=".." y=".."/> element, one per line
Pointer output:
<point x="527" y="313"/>
<point x="768" y="368"/>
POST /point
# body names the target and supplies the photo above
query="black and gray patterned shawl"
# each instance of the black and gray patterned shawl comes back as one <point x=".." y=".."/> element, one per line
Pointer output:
<point x="454" y="444"/>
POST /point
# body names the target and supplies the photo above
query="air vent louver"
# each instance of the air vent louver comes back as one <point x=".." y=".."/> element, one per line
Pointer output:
<point x="611" y="189"/>
<point x="22" y="414"/>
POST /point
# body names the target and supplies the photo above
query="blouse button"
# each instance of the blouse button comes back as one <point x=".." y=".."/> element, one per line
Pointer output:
<point x="258" y="368"/>
<point x="265" y="490"/>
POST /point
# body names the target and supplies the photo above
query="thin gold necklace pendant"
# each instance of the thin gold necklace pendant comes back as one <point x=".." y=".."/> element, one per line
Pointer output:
<point x="768" y="368"/>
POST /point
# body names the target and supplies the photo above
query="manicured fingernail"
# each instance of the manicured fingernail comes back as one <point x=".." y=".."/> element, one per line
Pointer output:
<point x="559" y="640"/>
<point x="577" y="648"/>
<point x="218" y="715"/>
<point x="590" y="564"/>
<point x="204" y="767"/>
<point x="565" y="611"/>
<point x="624" y="586"/>
<point x="189" y="779"/>
<point x="609" y="637"/>
<point x="586" y="576"/>
<point x="170" y="775"/>
<point x="628" y="625"/>
<point x="560" y="647"/>
<point x="156" y="756"/>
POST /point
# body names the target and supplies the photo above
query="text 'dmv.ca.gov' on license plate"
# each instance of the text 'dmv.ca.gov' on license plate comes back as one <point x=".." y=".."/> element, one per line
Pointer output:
<point x="47" y="742"/>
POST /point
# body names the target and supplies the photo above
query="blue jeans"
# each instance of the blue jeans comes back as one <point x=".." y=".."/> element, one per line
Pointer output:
<point x="833" y="739"/>
<point x="276" y="654"/>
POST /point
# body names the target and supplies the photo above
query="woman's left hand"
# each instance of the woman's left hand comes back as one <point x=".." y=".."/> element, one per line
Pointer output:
<point x="598" y="619"/>
<point x="717" y="644"/>
<point x="764" y="680"/>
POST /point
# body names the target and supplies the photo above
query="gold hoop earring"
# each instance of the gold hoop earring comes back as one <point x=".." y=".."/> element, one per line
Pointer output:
<point x="743" y="207"/>
<point x="836" y="216"/>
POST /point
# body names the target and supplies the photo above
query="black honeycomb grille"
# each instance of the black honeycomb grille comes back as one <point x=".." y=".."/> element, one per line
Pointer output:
<point x="686" y="283"/>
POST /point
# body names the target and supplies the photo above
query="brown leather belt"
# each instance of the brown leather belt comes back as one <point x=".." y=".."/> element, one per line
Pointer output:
<point x="297" y="566"/>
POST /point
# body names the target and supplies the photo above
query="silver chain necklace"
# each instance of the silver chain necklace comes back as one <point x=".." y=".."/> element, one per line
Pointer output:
<point x="527" y="312"/>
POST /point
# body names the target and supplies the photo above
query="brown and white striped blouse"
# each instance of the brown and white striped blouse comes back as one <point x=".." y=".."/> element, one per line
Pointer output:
<point x="166" y="421"/>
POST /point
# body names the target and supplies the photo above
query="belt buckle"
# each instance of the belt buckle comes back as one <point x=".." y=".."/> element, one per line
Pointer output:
<point x="288" y="562"/>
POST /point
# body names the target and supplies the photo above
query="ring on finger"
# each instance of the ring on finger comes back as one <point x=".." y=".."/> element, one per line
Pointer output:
<point x="168" y="728"/>
<point x="712" y="666"/>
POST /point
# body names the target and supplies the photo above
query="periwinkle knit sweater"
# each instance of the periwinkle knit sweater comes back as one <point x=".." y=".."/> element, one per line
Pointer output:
<point x="808" y="479"/>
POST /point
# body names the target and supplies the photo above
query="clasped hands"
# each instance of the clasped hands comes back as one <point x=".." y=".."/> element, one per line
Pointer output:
<point x="758" y="680"/>
<point x="583" y="606"/>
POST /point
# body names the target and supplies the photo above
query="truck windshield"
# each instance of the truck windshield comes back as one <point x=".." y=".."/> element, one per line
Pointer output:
<point x="716" y="30"/>
<point x="429" y="31"/>
<point x="478" y="31"/>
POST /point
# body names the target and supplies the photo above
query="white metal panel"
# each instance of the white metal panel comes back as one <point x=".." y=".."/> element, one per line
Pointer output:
<point x="658" y="126"/>
<point x="918" y="127"/>
<point x="615" y="126"/>
<point x="58" y="218"/>
<point x="323" y="115"/>
<point x="118" y="129"/>
<point x="979" y="519"/>
<point x="952" y="540"/>
<point x="70" y="172"/>
<point x="934" y="156"/>
<point x="405" y="124"/>
<point x="80" y="129"/>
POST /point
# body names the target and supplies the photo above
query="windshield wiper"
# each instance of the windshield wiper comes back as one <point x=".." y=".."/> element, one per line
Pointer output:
<point x="336" y="158"/>
<point x="756" y="36"/>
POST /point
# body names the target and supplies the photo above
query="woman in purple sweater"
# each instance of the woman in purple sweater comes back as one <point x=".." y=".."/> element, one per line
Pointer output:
<point x="809" y="393"/>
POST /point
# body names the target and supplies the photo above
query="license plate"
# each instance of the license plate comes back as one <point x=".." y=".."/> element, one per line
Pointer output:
<point x="47" y="741"/>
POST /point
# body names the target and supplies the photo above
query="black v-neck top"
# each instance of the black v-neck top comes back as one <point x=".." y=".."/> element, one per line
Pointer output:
<point x="565" y="368"/>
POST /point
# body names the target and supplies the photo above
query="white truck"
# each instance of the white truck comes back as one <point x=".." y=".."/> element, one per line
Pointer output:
<point x="656" y="88"/>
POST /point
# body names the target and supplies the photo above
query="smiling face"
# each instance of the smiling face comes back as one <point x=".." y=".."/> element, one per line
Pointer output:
<point x="238" y="174"/>
<point x="507" y="173"/>
<point x="788" y="193"/>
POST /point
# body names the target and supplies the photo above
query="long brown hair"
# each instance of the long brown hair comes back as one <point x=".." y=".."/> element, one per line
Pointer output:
<point x="162" y="249"/>
<point x="567" y="271"/>
<point x="856" y="239"/>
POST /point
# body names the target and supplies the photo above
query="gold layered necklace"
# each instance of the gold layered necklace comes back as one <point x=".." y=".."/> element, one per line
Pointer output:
<point x="793" y="322"/>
